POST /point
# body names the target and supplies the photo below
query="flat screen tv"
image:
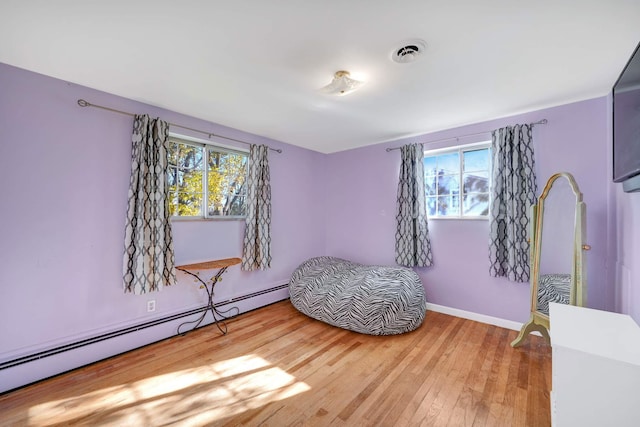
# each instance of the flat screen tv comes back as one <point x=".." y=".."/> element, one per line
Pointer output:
<point x="626" y="125"/>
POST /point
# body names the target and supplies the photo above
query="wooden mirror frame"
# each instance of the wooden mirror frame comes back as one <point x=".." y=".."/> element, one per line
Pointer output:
<point x="578" y="287"/>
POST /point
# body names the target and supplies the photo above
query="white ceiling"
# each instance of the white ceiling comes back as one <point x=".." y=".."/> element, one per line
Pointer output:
<point x="257" y="65"/>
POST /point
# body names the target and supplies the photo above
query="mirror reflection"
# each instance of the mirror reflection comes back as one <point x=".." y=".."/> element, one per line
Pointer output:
<point x="557" y="241"/>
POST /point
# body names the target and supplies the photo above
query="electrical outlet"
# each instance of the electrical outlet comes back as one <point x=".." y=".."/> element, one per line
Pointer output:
<point x="151" y="305"/>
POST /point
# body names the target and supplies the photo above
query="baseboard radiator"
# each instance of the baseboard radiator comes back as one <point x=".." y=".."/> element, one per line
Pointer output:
<point x="155" y="322"/>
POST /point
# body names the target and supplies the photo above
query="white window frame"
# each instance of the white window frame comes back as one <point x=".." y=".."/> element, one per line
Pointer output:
<point x="460" y="149"/>
<point x="207" y="145"/>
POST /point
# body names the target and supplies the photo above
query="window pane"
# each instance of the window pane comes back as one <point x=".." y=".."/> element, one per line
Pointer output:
<point x="448" y="163"/>
<point x="476" y="160"/>
<point x="185" y="179"/>
<point x="173" y="203"/>
<point x="190" y="157"/>
<point x="448" y="184"/>
<point x="431" y="206"/>
<point x="172" y="153"/>
<point x="430" y="165"/>
<point x="189" y="204"/>
<point x="233" y="205"/>
<point x="448" y="205"/>
<point x="430" y="185"/>
<point x="226" y="183"/>
<point x="190" y="181"/>
<point x="476" y="182"/>
<point x="476" y="204"/>
<point x="236" y="207"/>
<point x="172" y="178"/>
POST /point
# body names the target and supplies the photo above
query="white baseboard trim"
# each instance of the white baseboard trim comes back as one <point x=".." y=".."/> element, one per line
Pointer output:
<point x="482" y="318"/>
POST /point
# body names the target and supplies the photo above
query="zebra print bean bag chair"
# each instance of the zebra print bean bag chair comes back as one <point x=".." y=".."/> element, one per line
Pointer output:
<point x="372" y="300"/>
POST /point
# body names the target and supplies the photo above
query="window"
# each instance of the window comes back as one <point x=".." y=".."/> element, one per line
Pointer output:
<point x="206" y="181"/>
<point x="457" y="181"/>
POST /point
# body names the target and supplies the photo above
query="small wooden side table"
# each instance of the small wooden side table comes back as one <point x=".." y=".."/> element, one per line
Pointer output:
<point x="219" y="316"/>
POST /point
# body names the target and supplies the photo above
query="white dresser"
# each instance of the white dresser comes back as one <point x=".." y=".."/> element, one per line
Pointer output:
<point x="595" y="368"/>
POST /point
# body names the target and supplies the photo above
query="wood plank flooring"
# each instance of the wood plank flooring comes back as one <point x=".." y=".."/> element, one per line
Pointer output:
<point x="277" y="367"/>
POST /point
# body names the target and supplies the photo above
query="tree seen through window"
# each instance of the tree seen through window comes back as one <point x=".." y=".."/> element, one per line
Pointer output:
<point x="206" y="181"/>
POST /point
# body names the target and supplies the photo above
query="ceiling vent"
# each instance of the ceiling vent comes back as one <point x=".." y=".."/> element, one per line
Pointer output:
<point x="409" y="52"/>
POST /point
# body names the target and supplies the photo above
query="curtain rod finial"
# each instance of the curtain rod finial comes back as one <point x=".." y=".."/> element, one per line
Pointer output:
<point x="83" y="103"/>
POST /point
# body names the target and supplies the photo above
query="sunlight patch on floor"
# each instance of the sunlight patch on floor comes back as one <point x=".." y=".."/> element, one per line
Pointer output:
<point x="191" y="396"/>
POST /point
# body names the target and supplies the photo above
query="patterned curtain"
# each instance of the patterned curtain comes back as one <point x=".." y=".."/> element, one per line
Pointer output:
<point x="256" y="252"/>
<point x="413" y="248"/>
<point x="513" y="192"/>
<point x="148" y="244"/>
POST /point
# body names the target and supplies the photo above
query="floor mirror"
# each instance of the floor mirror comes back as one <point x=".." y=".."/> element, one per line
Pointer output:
<point x="558" y="231"/>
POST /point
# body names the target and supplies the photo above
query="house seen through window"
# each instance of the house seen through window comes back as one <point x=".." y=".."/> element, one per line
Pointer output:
<point x="206" y="181"/>
<point x="458" y="181"/>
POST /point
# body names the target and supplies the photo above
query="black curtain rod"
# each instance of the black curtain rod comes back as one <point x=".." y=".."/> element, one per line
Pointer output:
<point x="83" y="103"/>
<point x="539" y="122"/>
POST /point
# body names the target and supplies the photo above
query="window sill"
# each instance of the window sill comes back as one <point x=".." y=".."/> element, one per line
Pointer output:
<point x="463" y="218"/>
<point x="199" y="218"/>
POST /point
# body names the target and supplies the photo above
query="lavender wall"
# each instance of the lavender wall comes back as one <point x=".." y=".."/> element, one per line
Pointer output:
<point x="65" y="173"/>
<point x="361" y="209"/>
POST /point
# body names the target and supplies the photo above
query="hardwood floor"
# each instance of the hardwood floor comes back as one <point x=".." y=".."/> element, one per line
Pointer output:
<point x="277" y="367"/>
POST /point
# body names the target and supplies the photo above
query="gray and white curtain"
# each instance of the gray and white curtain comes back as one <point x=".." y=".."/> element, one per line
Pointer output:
<point x="413" y="247"/>
<point x="513" y="192"/>
<point x="148" y="263"/>
<point x="256" y="252"/>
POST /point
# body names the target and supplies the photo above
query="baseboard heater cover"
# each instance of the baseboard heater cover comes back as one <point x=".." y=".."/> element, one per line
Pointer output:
<point x="92" y="340"/>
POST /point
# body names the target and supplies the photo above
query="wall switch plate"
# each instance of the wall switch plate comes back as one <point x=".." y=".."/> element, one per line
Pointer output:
<point x="151" y="305"/>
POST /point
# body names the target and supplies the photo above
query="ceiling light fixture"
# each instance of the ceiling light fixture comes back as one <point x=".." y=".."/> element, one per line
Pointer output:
<point x="341" y="84"/>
